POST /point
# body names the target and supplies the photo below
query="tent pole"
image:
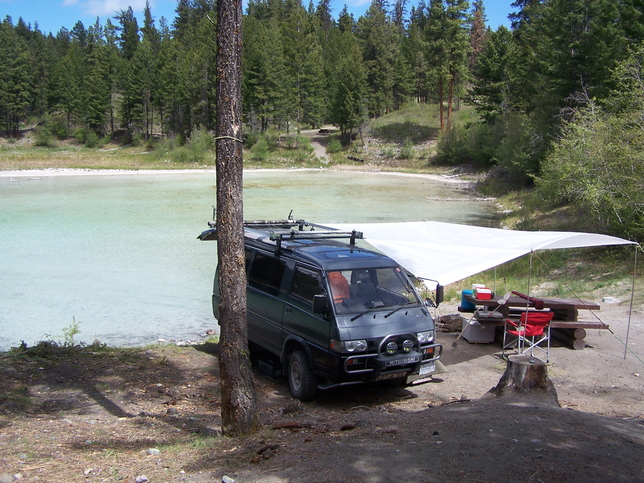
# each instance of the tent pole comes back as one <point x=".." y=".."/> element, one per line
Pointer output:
<point x="630" y="309"/>
<point x="529" y="281"/>
<point x="527" y="299"/>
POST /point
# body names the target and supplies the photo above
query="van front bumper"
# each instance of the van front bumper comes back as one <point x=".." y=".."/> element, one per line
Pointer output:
<point x="377" y="367"/>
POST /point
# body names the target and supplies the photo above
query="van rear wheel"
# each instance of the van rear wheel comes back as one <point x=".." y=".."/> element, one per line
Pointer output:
<point x="301" y="380"/>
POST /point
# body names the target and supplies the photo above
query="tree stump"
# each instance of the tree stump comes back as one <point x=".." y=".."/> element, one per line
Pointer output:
<point x="526" y="376"/>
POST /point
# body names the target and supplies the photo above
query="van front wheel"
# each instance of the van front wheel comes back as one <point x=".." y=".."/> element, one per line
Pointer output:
<point x="301" y="379"/>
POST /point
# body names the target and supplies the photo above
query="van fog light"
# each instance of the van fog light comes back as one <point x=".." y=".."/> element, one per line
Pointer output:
<point x="408" y="345"/>
<point x="391" y="347"/>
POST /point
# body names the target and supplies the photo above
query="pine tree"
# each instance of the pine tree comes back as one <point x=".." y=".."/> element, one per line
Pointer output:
<point x="150" y="32"/>
<point x="15" y="78"/>
<point x="264" y="68"/>
<point x="415" y="50"/>
<point x="43" y="54"/>
<point x="67" y="82"/>
<point x="380" y="41"/>
<point x="349" y="89"/>
<point x="477" y="30"/>
<point x="95" y="87"/>
<point x="435" y="30"/>
<point x="346" y="22"/>
<point x="112" y="64"/>
<point x="238" y="398"/>
<point x="489" y="92"/>
<point x="129" y="27"/>
<point x="458" y="52"/>
<point x="303" y="60"/>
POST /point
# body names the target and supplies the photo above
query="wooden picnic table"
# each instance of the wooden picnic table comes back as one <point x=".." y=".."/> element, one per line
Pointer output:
<point x="565" y="309"/>
<point x="566" y="319"/>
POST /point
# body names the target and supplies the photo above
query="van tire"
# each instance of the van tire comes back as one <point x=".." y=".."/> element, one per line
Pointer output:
<point x="301" y="380"/>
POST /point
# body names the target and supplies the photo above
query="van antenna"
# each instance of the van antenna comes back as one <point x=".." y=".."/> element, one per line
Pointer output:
<point x="214" y="213"/>
<point x="290" y="215"/>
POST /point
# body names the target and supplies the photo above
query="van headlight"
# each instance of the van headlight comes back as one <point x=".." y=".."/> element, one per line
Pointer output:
<point x="351" y="346"/>
<point x="425" y="337"/>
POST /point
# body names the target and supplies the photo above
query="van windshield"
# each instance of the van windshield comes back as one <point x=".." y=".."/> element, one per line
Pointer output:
<point x="358" y="290"/>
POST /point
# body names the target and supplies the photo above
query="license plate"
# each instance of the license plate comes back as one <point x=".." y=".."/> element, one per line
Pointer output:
<point x="427" y="368"/>
<point x="402" y="362"/>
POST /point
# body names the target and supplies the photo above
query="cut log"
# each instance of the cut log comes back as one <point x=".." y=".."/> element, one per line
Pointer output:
<point x="571" y="337"/>
<point x="526" y="376"/>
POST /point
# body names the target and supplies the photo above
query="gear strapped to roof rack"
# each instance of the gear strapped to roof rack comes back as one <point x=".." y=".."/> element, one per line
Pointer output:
<point x="279" y="230"/>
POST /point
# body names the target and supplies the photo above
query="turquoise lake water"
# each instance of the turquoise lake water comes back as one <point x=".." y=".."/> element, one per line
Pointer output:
<point x="118" y="253"/>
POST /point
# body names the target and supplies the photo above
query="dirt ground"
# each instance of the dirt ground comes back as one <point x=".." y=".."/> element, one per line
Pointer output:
<point x="153" y="415"/>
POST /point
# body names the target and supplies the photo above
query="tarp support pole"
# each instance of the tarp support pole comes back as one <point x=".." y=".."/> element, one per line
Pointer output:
<point x="630" y="310"/>
<point x="527" y="299"/>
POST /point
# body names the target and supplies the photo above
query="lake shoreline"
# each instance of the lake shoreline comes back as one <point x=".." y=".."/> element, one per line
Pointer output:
<point x="50" y="172"/>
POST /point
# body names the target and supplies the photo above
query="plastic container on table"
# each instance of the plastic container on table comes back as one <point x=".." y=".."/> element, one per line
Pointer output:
<point x="466" y="305"/>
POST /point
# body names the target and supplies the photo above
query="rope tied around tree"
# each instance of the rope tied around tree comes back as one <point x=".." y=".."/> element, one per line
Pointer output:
<point x="232" y="138"/>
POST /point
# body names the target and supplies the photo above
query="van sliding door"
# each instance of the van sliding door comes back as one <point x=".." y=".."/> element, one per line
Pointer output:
<point x="299" y="318"/>
<point x="265" y="307"/>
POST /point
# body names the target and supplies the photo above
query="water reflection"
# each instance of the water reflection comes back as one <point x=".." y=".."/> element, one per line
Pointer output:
<point x="119" y="254"/>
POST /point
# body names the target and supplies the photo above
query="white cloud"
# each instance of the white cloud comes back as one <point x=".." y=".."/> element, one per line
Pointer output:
<point x="357" y="3"/>
<point x="105" y="8"/>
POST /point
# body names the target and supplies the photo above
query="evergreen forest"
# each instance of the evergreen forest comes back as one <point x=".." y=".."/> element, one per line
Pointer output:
<point x="558" y="97"/>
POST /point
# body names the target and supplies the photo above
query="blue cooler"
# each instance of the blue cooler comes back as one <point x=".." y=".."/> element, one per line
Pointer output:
<point x="466" y="305"/>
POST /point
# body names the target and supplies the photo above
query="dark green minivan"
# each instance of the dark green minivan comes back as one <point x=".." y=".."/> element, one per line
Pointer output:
<point x="331" y="312"/>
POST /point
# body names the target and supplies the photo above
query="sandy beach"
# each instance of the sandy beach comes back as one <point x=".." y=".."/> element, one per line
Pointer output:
<point x="43" y="173"/>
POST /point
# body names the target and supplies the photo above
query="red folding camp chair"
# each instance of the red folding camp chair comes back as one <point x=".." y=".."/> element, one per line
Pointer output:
<point x="532" y="330"/>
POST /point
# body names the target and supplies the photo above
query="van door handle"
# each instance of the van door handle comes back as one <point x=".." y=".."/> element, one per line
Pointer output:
<point x="288" y="310"/>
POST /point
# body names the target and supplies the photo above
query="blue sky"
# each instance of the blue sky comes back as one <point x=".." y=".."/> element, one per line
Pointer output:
<point x="51" y="15"/>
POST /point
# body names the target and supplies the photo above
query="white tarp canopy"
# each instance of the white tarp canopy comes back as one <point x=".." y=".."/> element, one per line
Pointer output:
<point x="447" y="252"/>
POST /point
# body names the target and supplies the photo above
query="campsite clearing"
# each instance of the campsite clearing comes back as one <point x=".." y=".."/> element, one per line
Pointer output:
<point x="119" y="415"/>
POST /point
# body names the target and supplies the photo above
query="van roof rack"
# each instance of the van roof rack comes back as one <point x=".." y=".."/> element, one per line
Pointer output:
<point x="290" y="229"/>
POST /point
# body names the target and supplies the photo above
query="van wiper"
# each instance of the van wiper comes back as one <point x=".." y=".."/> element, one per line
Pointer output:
<point x="370" y="309"/>
<point x="398" y="308"/>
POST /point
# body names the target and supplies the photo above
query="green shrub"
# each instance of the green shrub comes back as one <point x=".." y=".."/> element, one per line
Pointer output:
<point x="138" y="139"/>
<point x="50" y="129"/>
<point x="92" y="140"/>
<point x="44" y="137"/>
<point x="182" y="155"/>
<point x="250" y="139"/>
<point x="259" y="152"/>
<point x="201" y="142"/>
<point x="334" y="146"/>
<point x="453" y="148"/>
<point x="407" y="150"/>
<point x="70" y="332"/>
<point x="302" y="155"/>
<point x="272" y="138"/>
<point x="288" y="142"/>
<point x="197" y="149"/>
<point x="58" y="127"/>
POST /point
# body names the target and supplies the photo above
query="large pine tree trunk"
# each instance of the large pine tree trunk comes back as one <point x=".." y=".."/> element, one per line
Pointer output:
<point x="238" y="400"/>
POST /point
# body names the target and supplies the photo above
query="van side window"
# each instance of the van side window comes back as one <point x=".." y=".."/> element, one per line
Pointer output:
<point x="247" y="256"/>
<point x="307" y="284"/>
<point x="266" y="274"/>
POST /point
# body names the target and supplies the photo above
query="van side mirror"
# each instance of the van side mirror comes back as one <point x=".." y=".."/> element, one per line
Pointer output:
<point x="440" y="293"/>
<point x="320" y="304"/>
